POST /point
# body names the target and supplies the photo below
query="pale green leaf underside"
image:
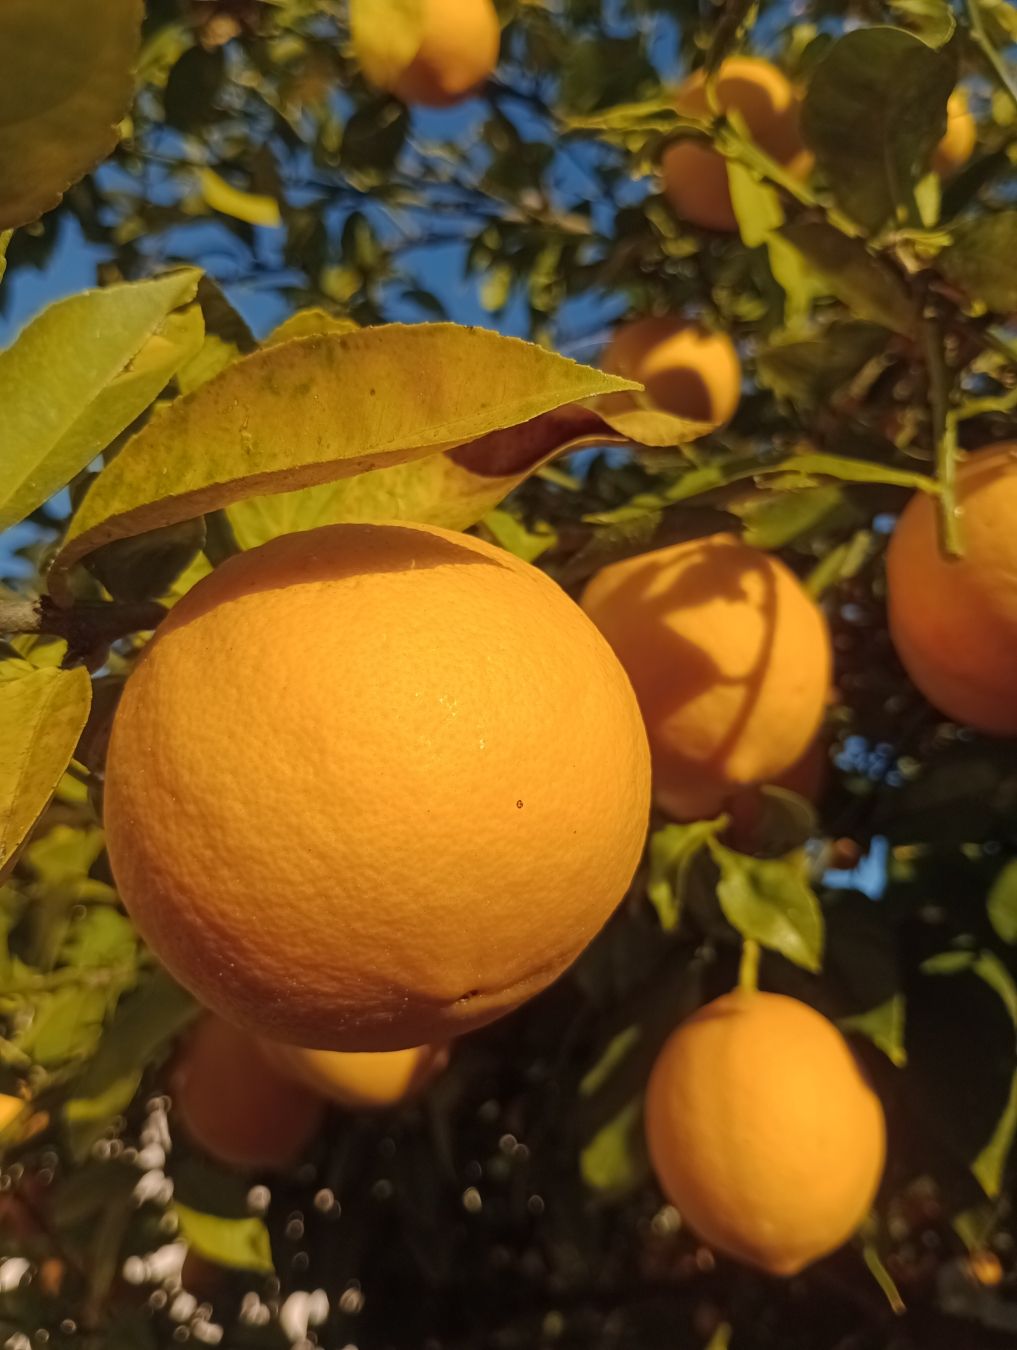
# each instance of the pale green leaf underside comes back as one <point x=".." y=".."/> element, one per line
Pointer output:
<point x="41" y="717"/>
<point x="79" y="374"/>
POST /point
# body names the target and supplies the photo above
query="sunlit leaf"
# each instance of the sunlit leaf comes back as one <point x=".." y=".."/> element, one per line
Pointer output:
<point x="66" y="82"/>
<point x="308" y="322"/>
<point x="42" y="714"/>
<point x="238" y="1244"/>
<point x="253" y="207"/>
<point x="767" y="900"/>
<point x="64" y="396"/>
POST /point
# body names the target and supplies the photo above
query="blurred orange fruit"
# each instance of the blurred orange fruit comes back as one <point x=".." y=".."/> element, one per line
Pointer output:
<point x="695" y="176"/>
<point x="958" y="142"/>
<point x="953" y="621"/>
<point x="364" y="1080"/>
<point x="687" y="370"/>
<point x="372" y="785"/>
<point x="763" y="1130"/>
<point x="458" y="52"/>
<point x="730" y="660"/>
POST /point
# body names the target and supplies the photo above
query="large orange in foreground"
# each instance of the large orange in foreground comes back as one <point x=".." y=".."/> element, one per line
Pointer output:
<point x="953" y="621"/>
<point x="372" y="785"/>
<point x="730" y="660"/>
<point x="763" y="1130"/>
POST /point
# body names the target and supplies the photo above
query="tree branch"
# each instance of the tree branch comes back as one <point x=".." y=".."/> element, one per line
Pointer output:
<point x="84" y="626"/>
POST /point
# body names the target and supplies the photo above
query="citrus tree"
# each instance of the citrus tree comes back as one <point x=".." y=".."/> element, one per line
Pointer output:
<point x="508" y="674"/>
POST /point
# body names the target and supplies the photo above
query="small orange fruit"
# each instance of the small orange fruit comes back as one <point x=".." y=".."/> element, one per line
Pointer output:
<point x="372" y="785"/>
<point x="730" y="660"/>
<point x="763" y="1130"/>
<point x="361" y="1081"/>
<point x="953" y="621"/>
<point x="235" y="1105"/>
<point x="458" y="52"/>
<point x="695" y="176"/>
<point x="959" y="139"/>
<point x="687" y="369"/>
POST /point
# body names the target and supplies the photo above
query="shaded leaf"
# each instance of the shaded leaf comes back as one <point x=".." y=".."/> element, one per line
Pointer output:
<point x="66" y="82"/>
<point x="982" y="260"/>
<point x="883" y="1026"/>
<point x="191" y="88"/>
<point x="615" y="1161"/>
<point x="42" y="714"/>
<point x="321" y="408"/>
<point x="253" y="207"/>
<point x="672" y="848"/>
<point x="1002" y="903"/>
<point x="849" y="270"/>
<point x="146" y="566"/>
<point x="931" y="20"/>
<point x="64" y="396"/>
<point x="768" y="900"/>
<point x="238" y="1244"/>
<point x="808" y="371"/>
<point x="874" y="111"/>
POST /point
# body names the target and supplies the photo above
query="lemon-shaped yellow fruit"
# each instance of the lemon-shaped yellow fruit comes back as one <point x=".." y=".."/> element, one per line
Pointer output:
<point x="458" y="51"/>
<point x="234" y="1104"/>
<point x="365" y="1080"/>
<point x="764" y="1132"/>
<point x="730" y="660"/>
<point x="953" y="621"/>
<point x="687" y="369"/>
<point x="695" y="176"/>
<point x="372" y="785"/>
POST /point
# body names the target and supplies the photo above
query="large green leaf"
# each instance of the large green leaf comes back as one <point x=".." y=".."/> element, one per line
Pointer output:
<point x="982" y="260"/>
<point x="66" y="82"/>
<point x="874" y="111"/>
<point x="767" y="900"/>
<point x="64" y="394"/>
<point x="321" y="408"/>
<point x="42" y="714"/>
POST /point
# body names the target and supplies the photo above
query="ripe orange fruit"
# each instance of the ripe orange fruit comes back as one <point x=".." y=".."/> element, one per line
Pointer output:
<point x="763" y="1130"/>
<point x="10" y="1109"/>
<point x="372" y="785"/>
<point x="729" y="658"/>
<point x="954" y="621"/>
<point x="458" y="52"/>
<point x="235" y="1105"/>
<point x="687" y="370"/>
<point x="361" y="1081"/>
<point x="958" y="142"/>
<point x="695" y="176"/>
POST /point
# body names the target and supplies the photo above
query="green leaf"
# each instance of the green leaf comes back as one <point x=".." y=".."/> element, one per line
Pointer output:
<point x="5" y="238"/>
<point x="510" y="532"/>
<point x="308" y="322"/>
<point x="146" y="566"/>
<point x="146" y="1021"/>
<point x="66" y="1025"/>
<point x="672" y="848"/>
<point x="253" y="207"/>
<point x="849" y="270"/>
<point x="874" y="112"/>
<point x="321" y="408"/>
<point x="809" y="371"/>
<point x="102" y="936"/>
<point x="42" y="714"/>
<point x="386" y="36"/>
<point x="1002" y="903"/>
<point x="615" y="1162"/>
<point x="982" y="260"/>
<point x="883" y="1026"/>
<point x="931" y="20"/>
<point x="64" y="396"/>
<point x="756" y="205"/>
<point x="66" y="82"/>
<point x="768" y="901"/>
<point x="238" y="1244"/>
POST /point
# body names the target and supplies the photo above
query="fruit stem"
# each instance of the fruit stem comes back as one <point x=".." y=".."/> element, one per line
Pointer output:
<point x="944" y="430"/>
<point x="748" y="970"/>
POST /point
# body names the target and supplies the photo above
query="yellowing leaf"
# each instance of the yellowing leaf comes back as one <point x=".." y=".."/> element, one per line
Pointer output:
<point x="252" y="207"/>
<point x="64" y="395"/>
<point x="386" y="36"/>
<point x="42" y="714"/>
<point x="240" y="1244"/>
<point x="65" y="84"/>
<point x="307" y="322"/>
<point x="321" y="408"/>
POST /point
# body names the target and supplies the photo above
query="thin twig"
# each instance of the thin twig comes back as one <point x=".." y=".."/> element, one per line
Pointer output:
<point x="944" y="430"/>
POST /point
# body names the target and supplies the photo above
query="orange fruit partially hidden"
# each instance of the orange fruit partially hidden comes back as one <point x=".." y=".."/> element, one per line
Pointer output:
<point x="458" y="52"/>
<point x="234" y="1104"/>
<point x="372" y="785"/>
<point x="764" y="1132"/>
<point x="953" y="621"/>
<point x="958" y="142"/>
<point x="730" y="660"/>
<point x="365" y="1080"/>
<point x="687" y="369"/>
<point x="695" y="175"/>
